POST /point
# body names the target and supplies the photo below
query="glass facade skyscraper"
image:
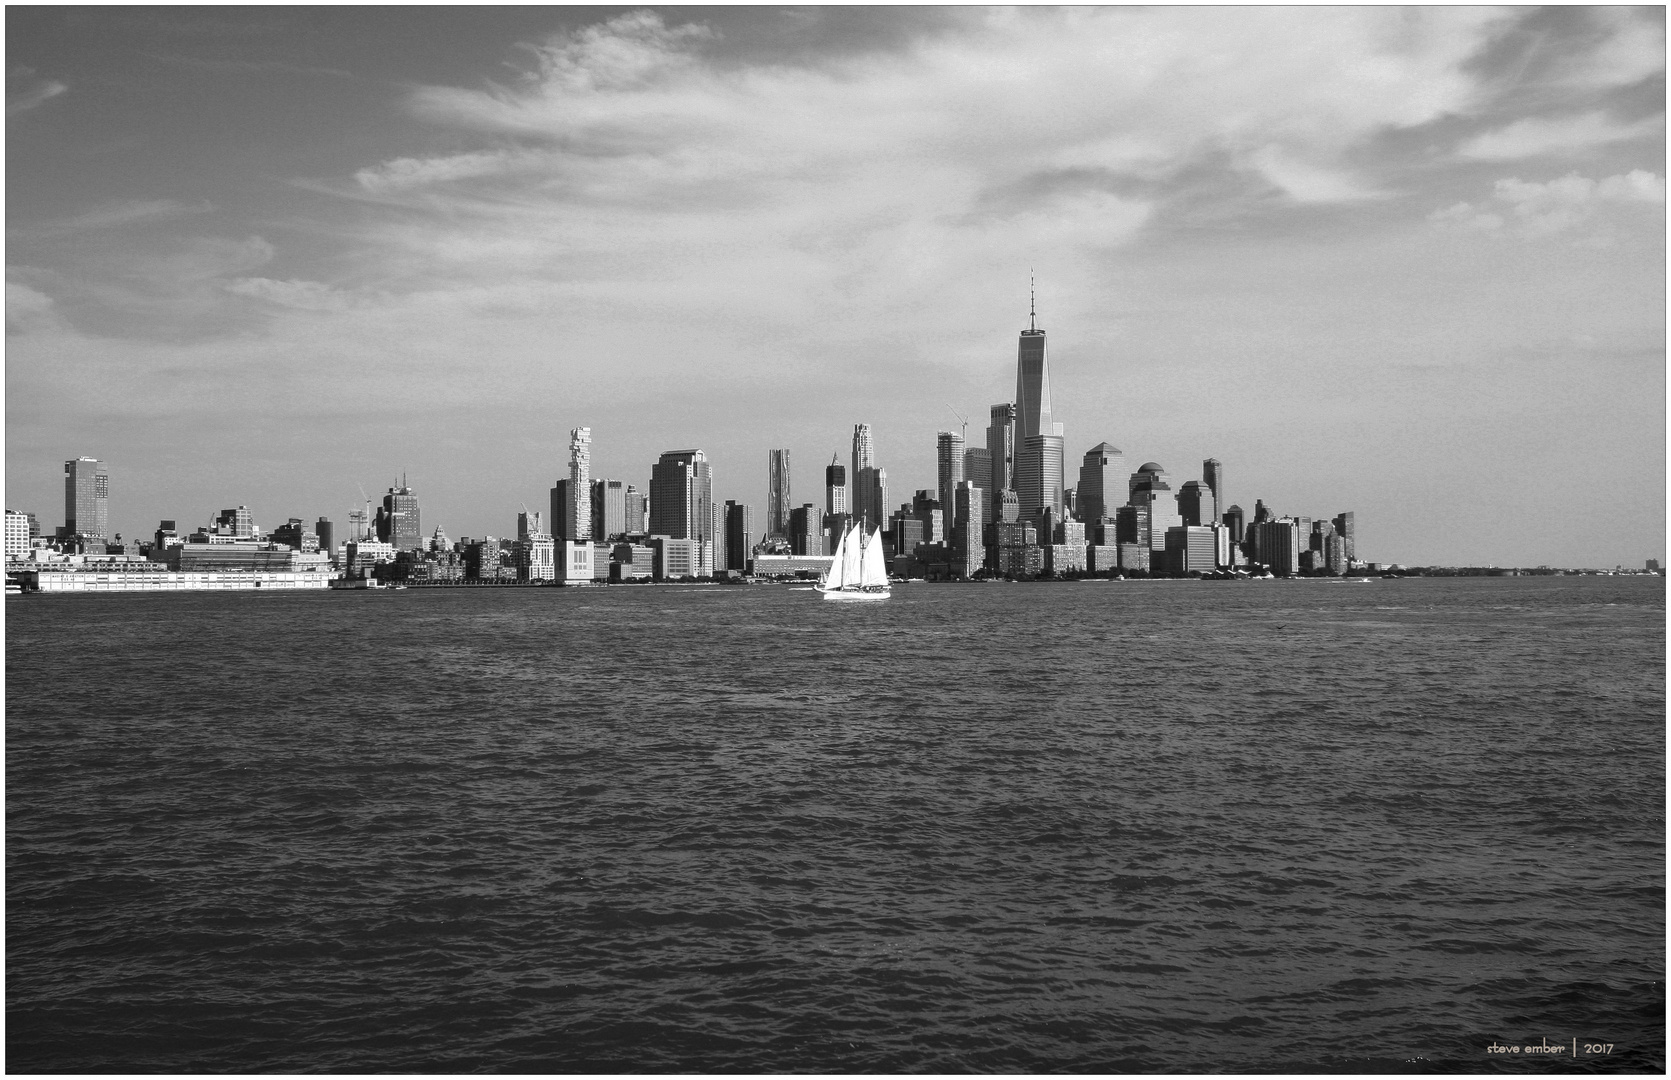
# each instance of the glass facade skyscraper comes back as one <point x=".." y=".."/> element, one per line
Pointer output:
<point x="948" y="447"/>
<point x="1039" y="467"/>
<point x="1212" y="472"/>
<point x="86" y="498"/>
<point x="778" y="503"/>
<point x="835" y="488"/>
<point x="397" y="523"/>
<point x="1102" y="476"/>
<point x="1000" y="453"/>
<point x="682" y="496"/>
<point x="1038" y="476"/>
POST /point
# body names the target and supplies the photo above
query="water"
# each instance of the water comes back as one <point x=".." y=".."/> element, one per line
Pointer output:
<point x="1081" y="827"/>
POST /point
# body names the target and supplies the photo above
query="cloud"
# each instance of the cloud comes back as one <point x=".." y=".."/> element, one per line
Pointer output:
<point x="305" y="295"/>
<point x="1307" y="183"/>
<point x="1465" y="215"/>
<point x="1538" y="136"/>
<point x="406" y="174"/>
<point x="1538" y="209"/>
<point x="639" y="152"/>
<point x="128" y="212"/>
<point x="634" y="102"/>
<point x="28" y="309"/>
<point x="32" y="96"/>
<point x="1629" y="47"/>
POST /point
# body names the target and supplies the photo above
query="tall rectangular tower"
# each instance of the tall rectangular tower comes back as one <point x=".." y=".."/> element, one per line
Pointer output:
<point x="806" y="537"/>
<point x="1000" y="448"/>
<point x="1102" y="483"/>
<point x="609" y="509"/>
<point x="1038" y="476"/>
<point x="835" y="488"/>
<point x="577" y="496"/>
<point x="864" y="477"/>
<point x="968" y="530"/>
<point x="1195" y="504"/>
<point x="778" y="505"/>
<point x="949" y="467"/>
<point x="86" y="498"/>
<point x="1346" y="527"/>
<point x="977" y="469"/>
<point x="871" y="496"/>
<point x="1212" y="471"/>
<point x="400" y="526"/>
<point x="682" y="496"/>
<point x="739" y="533"/>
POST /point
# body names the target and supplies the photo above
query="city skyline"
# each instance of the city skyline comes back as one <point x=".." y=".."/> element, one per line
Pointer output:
<point x="1434" y="298"/>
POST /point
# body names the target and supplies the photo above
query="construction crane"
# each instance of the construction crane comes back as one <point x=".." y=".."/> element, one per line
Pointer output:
<point x="366" y="523"/>
<point x="963" y="418"/>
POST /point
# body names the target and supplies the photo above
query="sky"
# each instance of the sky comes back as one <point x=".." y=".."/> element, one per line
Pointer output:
<point x="1404" y="262"/>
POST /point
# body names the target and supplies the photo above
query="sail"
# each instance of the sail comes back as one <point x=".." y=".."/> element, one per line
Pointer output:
<point x="875" y="570"/>
<point x="836" y="576"/>
<point x="852" y="559"/>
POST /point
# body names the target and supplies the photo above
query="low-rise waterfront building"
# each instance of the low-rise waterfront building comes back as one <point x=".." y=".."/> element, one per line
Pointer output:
<point x="631" y="561"/>
<point x="1191" y="549"/>
<point x="17" y="535"/>
<point x="790" y="566"/>
<point x="1102" y="558"/>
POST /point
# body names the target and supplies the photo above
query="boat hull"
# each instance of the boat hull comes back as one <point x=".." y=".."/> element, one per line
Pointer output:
<point x="855" y="594"/>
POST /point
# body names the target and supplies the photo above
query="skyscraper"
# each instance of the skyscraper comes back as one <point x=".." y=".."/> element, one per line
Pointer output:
<point x="864" y="452"/>
<point x="1278" y="544"/>
<point x="837" y="503"/>
<point x="778" y="503"/>
<point x="968" y="528"/>
<point x="609" y="509"/>
<point x="397" y="522"/>
<point x="864" y="464"/>
<point x="1039" y="464"/>
<point x="86" y="498"/>
<point x="739" y="532"/>
<point x="1151" y="491"/>
<point x="949" y="463"/>
<point x="1032" y="381"/>
<point x="577" y="497"/>
<point x="1212" y="471"/>
<point x="1039" y="470"/>
<point x="1235" y="522"/>
<point x="805" y="535"/>
<point x="875" y="481"/>
<point x="835" y="488"/>
<point x="870" y="483"/>
<point x="638" y="511"/>
<point x="1346" y="526"/>
<point x="1100" y="476"/>
<point x="1000" y="450"/>
<point x="977" y="469"/>
<point x="1195" y="504"/>
<point x="682" y="496"/>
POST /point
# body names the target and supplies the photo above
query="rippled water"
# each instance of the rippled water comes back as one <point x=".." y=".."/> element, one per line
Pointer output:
<point x="1085" y="827"/>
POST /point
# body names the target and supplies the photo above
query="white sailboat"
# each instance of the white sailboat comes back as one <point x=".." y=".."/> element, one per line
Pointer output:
<point x="858" y="570"/>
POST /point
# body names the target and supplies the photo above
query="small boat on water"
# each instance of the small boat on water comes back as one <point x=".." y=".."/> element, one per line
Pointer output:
<point x="858" y="570"/>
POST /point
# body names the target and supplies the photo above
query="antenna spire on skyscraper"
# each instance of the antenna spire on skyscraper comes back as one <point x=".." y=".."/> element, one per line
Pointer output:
<point x="1032" y="301"/>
